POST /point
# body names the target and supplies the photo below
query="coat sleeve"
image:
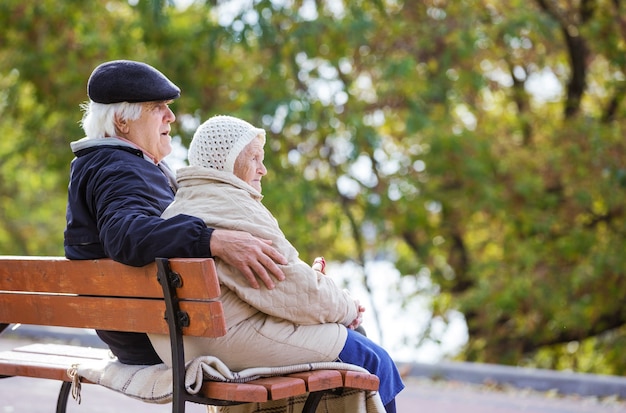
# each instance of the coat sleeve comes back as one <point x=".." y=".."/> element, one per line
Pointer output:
<point x="128" y="202"/>
<point x="305" y="297"/>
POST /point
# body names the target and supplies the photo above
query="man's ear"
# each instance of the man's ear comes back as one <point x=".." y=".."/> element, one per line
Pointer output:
<point x="121" y="125"/>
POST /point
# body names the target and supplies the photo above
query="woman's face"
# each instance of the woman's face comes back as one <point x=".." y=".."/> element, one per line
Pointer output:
<point x="151" y="131"/>
<point x="249" y="164"/>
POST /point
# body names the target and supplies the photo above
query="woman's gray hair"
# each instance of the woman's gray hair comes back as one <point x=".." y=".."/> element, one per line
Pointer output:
<point x="99" y="119"/>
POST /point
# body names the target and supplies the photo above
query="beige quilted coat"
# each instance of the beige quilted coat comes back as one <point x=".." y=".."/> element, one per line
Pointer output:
<point x="301" y="320"/>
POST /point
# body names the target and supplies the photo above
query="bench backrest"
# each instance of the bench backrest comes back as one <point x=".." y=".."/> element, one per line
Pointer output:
<point x="104" y="294"/>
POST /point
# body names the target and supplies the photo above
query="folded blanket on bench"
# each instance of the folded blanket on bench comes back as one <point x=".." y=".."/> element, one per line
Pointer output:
<point x="153" y="384"/>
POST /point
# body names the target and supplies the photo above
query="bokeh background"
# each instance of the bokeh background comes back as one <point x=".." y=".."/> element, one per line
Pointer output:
<point x="461" y="164"/>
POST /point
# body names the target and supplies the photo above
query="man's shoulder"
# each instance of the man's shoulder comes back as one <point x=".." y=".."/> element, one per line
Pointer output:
<point x="109" y="159"/>
<point x="112" y="167"/>
<point x="110" y="152"/>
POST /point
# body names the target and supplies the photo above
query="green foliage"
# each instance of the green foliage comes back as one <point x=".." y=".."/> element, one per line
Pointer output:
<point x="409" y="131"/>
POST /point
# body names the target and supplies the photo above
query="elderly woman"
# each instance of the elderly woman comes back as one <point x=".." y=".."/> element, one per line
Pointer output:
<point x="306" y="318"/>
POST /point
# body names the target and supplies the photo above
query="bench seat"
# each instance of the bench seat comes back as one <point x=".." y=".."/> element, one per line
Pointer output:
<point x="52" y="361"/>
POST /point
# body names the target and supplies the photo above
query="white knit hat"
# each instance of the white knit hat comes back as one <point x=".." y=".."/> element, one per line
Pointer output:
<point x="218" y="141"/>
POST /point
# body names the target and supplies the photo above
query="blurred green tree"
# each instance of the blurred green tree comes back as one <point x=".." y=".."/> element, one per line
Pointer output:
<point x="475" y="143"/>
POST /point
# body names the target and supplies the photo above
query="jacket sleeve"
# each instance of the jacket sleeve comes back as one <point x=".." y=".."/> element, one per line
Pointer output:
<point x="305" y="297"/>
<point x="128" y="202"/>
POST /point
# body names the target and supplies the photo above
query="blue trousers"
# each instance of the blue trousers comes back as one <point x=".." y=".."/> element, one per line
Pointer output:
<point x="361" y="351"/>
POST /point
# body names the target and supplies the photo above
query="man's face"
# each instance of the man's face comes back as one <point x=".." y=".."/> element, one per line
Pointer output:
<point x="151" y="131"/>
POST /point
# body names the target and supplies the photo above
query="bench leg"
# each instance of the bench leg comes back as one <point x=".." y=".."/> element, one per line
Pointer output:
<point x="64" y="394"/>
<point x="312" y="401"/>
<point x="178" y="403"/>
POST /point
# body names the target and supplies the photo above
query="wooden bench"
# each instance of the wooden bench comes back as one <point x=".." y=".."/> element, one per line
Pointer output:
<point x="171" y="296"/>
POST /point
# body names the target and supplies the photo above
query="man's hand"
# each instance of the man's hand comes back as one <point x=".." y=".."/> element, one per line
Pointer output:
<point x="254" y="257"/>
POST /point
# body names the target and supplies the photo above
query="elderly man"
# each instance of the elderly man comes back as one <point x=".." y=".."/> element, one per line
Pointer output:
<point x="119" y="186"/>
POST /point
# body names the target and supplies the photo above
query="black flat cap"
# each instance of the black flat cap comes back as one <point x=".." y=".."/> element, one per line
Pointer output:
<point x="129" y="81"/>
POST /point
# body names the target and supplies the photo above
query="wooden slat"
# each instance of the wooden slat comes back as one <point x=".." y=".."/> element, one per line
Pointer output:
<point x="281" y="387"/>
<point x="47" y="361"/>
<point x="357" y="380"/>
<point x="275" y="388"/>
<point x="105" y="277"/>
<point x="24" y="369"/>
<point x="320" y="379"/>
<point x="84" y="277"/>
<point x="240" y="392"/>
<point x="203" y="282"/>
<point x="206" y="319"/>
<point x="87" y="353"/>
<point x="120" y="314"/>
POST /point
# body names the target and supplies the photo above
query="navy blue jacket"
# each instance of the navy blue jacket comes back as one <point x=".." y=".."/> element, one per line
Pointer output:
<point x="115" y="200"/>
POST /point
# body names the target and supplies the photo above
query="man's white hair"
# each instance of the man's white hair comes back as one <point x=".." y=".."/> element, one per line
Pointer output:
<point x="99" y="119"/>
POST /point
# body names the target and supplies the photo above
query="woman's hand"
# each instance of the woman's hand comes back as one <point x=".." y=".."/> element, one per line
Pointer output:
<point x="359" y="317"/>
<point x="319" y="264"/>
